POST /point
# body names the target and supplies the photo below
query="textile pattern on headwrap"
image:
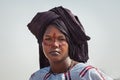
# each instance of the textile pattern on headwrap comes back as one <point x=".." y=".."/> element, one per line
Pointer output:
<point x="76" y="34"/>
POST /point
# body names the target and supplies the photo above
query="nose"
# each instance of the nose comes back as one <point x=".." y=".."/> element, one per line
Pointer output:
<point x="55" y="44"/>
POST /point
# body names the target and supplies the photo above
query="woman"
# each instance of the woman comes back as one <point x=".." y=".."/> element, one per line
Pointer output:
<point x="63" y="47"/>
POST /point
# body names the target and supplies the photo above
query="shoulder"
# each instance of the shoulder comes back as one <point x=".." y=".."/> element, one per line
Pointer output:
<point x="39" y="74"/>
<point x="94" y="74"/>
<point x="88" y="72"/>
<point x="79" y="67"/>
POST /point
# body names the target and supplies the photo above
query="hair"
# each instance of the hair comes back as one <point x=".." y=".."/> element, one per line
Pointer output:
<point x="69" y="25"/>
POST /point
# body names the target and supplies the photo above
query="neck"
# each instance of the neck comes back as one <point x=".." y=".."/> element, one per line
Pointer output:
<point x="62" y="66"/>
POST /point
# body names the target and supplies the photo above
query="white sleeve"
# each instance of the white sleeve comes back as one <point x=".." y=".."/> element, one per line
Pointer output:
<point x="32" y="77"/>
<point x="95" y="74"/>
<point x="39" y="75"/>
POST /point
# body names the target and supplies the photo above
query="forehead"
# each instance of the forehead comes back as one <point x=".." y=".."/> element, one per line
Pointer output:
<point x="52" y="30"/>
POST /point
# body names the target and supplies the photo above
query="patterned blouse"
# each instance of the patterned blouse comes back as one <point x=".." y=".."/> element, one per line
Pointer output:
<point x="80" y="71"/>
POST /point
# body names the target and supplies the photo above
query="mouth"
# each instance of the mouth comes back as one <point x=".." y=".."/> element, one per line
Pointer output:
<point x="55" y="53"/>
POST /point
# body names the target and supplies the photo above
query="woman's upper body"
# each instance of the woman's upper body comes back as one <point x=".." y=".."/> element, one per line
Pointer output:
<point x="69" y="25"/>
<point x="79" y="71"/>
<point x="63" y="47"/>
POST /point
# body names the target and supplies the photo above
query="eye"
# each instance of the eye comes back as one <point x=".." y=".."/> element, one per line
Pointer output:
<point x="47" y="39"/>
<point x="62" y="39"/>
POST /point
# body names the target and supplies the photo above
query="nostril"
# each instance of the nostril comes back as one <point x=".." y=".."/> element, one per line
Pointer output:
<point x="55" y="43"/>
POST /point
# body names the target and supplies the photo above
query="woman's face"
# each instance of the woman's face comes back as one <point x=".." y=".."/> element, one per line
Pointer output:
<point x="55" y="46"/>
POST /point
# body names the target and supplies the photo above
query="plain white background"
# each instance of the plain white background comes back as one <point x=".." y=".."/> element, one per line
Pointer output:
<point x="19" y="48"/>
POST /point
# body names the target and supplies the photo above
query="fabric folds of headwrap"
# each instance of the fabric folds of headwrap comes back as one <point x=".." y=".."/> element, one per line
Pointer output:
<point x="40" y="21"/>
<point x="76" y="33"/>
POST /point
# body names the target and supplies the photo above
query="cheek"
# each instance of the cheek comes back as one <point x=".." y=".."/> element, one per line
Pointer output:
<point x="64" y="47"/>
<point x="45" y="48"/>
<point x="46" y="43"/>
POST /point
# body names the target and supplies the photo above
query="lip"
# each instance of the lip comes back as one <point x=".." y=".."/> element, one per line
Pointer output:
<point x="54" y="53"/>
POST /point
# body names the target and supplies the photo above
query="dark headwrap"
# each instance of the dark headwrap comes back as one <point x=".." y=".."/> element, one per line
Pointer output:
<point x="73" y="30"/>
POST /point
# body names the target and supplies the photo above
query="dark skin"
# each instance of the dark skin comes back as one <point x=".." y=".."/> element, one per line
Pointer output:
<point x="56" y="48"/>
<point x="61" y="67"/>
